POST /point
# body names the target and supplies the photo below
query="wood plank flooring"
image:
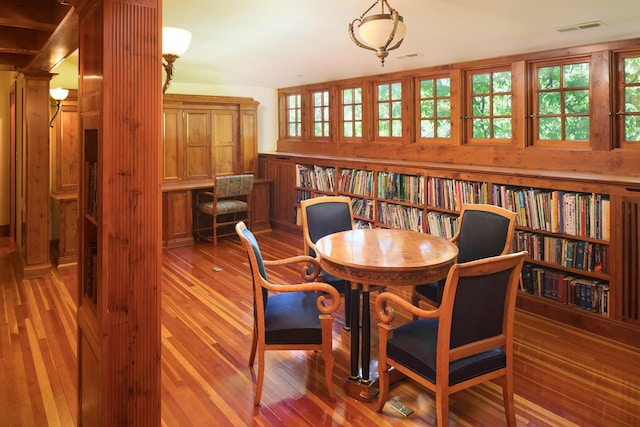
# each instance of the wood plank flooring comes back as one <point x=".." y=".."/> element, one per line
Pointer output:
<point x="564" y="377"/>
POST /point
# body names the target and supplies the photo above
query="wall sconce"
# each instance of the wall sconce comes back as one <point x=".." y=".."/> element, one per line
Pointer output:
<point x="381" y="32"/>
<point x="175" y="42"/>
<point x="58" y="95"/>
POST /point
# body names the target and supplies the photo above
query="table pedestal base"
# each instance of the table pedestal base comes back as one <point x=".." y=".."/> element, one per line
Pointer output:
<point x="360" y="390"/>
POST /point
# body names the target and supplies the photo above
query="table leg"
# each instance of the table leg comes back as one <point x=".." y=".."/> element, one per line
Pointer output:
<point x="366" y="334"/>
<point x="355" y="333"/>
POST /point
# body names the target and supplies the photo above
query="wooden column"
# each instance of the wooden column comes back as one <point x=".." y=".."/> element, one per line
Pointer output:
<point x="33" y="181"/>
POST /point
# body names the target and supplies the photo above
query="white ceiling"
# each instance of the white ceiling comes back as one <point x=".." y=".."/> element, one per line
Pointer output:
<point x="281" y="43"/>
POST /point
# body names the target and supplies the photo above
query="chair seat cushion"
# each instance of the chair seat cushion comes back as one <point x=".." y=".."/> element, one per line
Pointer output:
<point x="292" y="318"/>
<point x="414" y="346"/>
<point x="224" y="207"/>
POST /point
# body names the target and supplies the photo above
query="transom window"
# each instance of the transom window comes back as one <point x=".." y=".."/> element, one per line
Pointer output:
<point x="352" y="112"/>
<point x="321" y="114"/>
<point x="490" y="105"/>
<point x="561" y="102"/>
<point x="294" y="116"/>
<point x="389" y="102"/>
<point x="629" y="100"/>
<point x="434" y="98"/>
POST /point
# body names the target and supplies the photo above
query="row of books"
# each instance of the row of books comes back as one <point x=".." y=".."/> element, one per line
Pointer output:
<point x="400" y="187"/>
<point x="356" y="181"/>
<point x="91" y="283"/>
<point x="318" y="178"/>
<point x="397" y="216"/>
<point x="442" y="224"/>
<point x="577" y="214"/>
<point x="92" y="189"/>
<point x="565" y="252"/>
<point x="584" y="293"/>
<point x="362" y="208"/>
<point x="451" y="194"/>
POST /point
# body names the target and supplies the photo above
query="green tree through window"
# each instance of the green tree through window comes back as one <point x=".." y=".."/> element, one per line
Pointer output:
<point x="630" y="109"/>
<point x="321" y="114"/>
<point x="352" y="112"/>
<point x="435" y="108"/>
<point x="390" y="109"/>
<point x="490" y="110"/>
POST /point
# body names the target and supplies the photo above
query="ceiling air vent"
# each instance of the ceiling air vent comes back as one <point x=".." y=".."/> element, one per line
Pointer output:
<point x="583" y="26"/>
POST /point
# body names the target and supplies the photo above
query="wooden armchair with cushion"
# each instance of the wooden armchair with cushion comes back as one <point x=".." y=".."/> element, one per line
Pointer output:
<point x="222" y="208"/>
<point x="484" y="231"/>
<point x="289" y="316"/>
<point x="466" y="341"/>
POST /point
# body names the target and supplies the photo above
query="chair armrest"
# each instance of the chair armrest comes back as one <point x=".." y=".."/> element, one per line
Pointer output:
<point x="308" y="275"/>
<point x="386" y="314"/>
<point x="322" y="289"/>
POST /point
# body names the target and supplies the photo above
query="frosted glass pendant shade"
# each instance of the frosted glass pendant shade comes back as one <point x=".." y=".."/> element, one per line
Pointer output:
<point x="175" y="41"/>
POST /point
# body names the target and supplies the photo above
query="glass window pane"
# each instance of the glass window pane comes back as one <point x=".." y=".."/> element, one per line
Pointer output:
<point x="383" y="92"/>
<point x="426" y="108"/>
<point x="502" y="81"/>
<point x="396" y="108"/>
<point x="317" y="114"/>
<point x="632" y="99"/>
<point x="347" y="96"/>
<point x="426" y="89"/>
<point x="427" y="129"/>
<point x="347" y="113"/>
<point x="577" y="128"/>
<point x="549" y="128"/>
<point x="443" y="108"/>
<point x="502" y="128"/>
<point x="396" y="128"/>
<point x="443" y="87"/>
<point x="480" y="105"/>
<point x="576" y="101"/>
<point x="549" y="103"/>
<point x="358" y="112"/>
<point x="632" y="128"/>
<point x="632" y="70"/>
<point x="317" y="129"/>
<point x="358" y="129"/>
<point x="481" y="128"/>
<point x="383" y="128"/>
<point x="396" y="91"/>
<point x="347" y="130"/>
<point x="576" y="75"/>
<point x="480" y="83"/>
<point x="502" y="106"/>
<point x="383" y="111"/>
<point x="549" y="77"/>
<point x="444" y="128"/>
<point x="358" y="96"/>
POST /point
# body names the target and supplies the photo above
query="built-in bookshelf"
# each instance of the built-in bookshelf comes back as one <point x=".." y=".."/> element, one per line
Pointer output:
<point x="564" y="225"/>
<point x="89" y="212"/>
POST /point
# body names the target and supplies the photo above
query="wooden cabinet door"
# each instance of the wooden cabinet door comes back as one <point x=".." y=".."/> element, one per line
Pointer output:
<point x="226" y="156"/>
<point x="197" y="145"/>
<point x="282" y="172"/>
<point x="172" y="162"/>
<point x="177" y="218"/>
<point x="249" y="139"/>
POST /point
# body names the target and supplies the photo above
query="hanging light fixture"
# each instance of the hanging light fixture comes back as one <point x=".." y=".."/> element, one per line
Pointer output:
<point x="58" y="95"/>
<point x="175" y="42"/>
<point x="379" y="32"/>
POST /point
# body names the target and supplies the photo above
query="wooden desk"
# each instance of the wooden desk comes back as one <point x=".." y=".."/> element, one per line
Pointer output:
<point x="380" y="257"/>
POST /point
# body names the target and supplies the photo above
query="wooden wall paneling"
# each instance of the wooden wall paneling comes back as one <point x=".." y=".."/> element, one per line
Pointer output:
<point x="226" y="146"/>
<point x="260" y="205"/>
<point x="172" y="148"/>
<point x="249" y="139"/>
<point x="197" y="145"/>
<point x="177" y="218"/>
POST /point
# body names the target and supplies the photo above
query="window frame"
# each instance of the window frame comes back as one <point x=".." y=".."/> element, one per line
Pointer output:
<point x="534" y="96"/>
<point x="404" y="119"/>
<point x="365" y="103"/>
<point x="619" y="100"/>
<point x="327" y="115"/>
<point x="418" y="110"/>
<point x="468" y="138"/>
<point x="284" y="114"/>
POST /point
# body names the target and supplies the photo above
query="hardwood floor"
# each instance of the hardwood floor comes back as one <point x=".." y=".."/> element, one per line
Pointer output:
<point x="564" y="377"/>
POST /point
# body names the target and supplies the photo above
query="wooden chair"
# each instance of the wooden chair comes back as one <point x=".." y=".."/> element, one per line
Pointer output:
<point x="322" y="216"/>
<point x="228" y="203"/>
<point x="484" y="231"/>
<point x="464" y="342"/>
<point x="289" y="316"/>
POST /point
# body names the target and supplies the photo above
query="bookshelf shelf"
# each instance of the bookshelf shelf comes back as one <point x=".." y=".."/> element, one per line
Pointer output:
<point x="600" y="215"/>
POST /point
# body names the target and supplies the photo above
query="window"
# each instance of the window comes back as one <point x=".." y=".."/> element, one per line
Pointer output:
<point x="561" y="102"/>
<point x="321" y="114"/>
<point x="294" y="116"/>
<point x="628" y="102"/>
<point x="434" y="112"/>
<point x="352" y="112"/>
<point x="389" y="103"/>
<point x="489" y="109"/>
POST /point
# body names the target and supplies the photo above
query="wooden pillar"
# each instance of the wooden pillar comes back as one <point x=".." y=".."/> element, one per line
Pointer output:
<point x="32" y="192"/>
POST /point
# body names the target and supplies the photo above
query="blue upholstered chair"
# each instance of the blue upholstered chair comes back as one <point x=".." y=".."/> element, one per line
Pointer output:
<point x="289" y="316"/>
<point x="484" y="231"/>
<point x="228" y="203"/>
<point x="322" y="216"/>
<point x="465" y="341"/>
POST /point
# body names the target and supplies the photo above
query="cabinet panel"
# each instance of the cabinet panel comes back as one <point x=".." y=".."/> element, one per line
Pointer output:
<point x="282" y="172"/>
<point x="197" y="144"/>
<point x="225" y="142"/>
<point x="172" y="147"/>
<point x="260" y="205"/>
<point x="177" y="218"/>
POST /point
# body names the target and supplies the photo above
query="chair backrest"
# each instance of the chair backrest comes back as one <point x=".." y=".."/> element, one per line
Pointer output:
<point x="322" y="216"/>
<point x="485" y="231"/>
<point x="233" y="185"/>
<point x="256" y="262"/>
<point x="478" y="304"/>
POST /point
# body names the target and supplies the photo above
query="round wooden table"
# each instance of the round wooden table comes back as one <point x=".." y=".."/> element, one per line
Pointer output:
<point x="386" y="257"/>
